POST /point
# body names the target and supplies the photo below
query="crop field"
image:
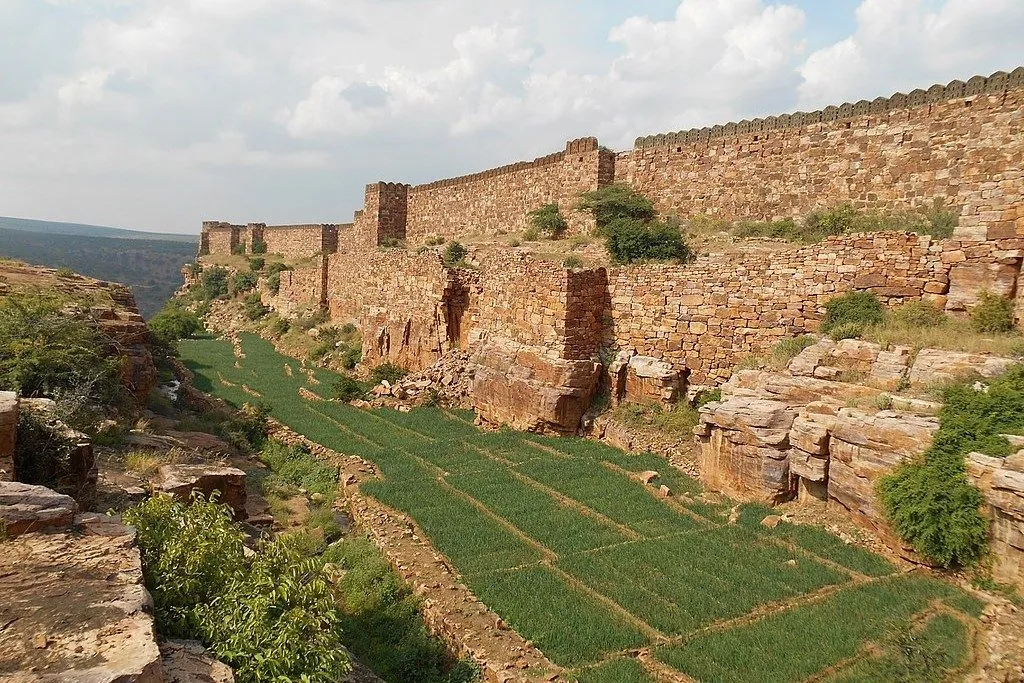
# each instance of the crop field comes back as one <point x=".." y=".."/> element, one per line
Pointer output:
<point x="561" y="539"/>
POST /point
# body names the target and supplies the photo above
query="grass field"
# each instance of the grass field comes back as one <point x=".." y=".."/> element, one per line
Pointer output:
<point x="557" y="537"/>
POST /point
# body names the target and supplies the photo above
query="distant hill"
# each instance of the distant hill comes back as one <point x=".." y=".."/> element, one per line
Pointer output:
<point x="151" y="267"/>
<point x="82" y="230"/>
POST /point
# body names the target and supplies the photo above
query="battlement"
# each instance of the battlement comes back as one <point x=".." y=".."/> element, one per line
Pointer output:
<point x="997" y="83"/>
<point x="298" y="240"/>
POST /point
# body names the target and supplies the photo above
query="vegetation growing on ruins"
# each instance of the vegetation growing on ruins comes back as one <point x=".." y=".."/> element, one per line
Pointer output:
<point x="548" y="220"/>
<point x="47" y="352"/>
<point x="930" y="500"/>
<point x="625" y="219"/>
<point x="560" y="538"/>
<point x="455" y="255"/>
<point x="849" y="314"/>
<point x="271" y="617"/>
<point x="992" y="313"/>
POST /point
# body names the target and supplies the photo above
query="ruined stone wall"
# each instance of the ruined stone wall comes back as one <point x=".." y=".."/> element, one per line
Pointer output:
<point x="960" y="145"/>
<point x="499" y="200"/>
<point x="398" y="300"/>
<point x="219" y="238"/>
<point x="298" y="240"/>
<point x="302" y="287"/>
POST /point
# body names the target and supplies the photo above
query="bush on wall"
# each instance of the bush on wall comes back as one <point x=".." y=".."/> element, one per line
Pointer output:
<point x="850" y="313"/>
<point x="625" y="219"/>
<point x="548" y="219"/>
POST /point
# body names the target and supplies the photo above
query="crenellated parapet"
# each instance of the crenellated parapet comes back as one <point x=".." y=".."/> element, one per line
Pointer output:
<point x="996" y="84"/>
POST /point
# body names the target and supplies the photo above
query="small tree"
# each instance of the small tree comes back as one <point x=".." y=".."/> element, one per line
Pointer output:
<point x="548" y="220"/>
<point x="615" y="202"/>
<point x="853" y="308"/>
<point x="629" y="240"/>
<point x="454" y="254"/>
<point x="258" y="246"/>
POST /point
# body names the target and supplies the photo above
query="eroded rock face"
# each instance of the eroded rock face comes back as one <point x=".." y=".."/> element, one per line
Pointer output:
<point x="644" y="379"/>
<point x="180" y="481"/>
<point x="74" y="607"/>
<point x="934" y="366"/>
<point x="1001" y="482"/>
<point x="25" y="508"/>
<point x="186" y="661"/>
<point x="516" y="385"/>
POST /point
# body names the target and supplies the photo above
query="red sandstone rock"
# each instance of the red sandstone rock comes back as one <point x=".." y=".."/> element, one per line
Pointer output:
<point x="181" y="480"/>
<point x="25" y="508"/>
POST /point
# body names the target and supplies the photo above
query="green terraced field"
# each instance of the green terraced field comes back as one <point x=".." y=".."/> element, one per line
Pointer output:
<point x="557" y="537"/>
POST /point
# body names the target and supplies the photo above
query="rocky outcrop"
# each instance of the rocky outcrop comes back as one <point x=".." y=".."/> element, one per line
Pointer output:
<point x="181" y="481"/>
<point x="25" y="508"/>
<point x="1001" y="482"/>
<point x="186" y="661"/>
<point x="520" y="386"/>
<point x="8" y="433"/>
<point x="74" y="607"/>
<point x="643" y="379"/>
<point x="802" y="433"/>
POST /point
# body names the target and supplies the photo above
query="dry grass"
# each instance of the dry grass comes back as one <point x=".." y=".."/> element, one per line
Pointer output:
<point x="952" y="335"/>
<point x="144" y="463"/>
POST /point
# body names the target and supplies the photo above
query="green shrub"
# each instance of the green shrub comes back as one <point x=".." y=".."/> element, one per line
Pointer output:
<point x="785" y="228"/>
<point x="277" y="267"/>
<point x="238" y="249"/>
<point x="572" y="261"/>
<point x="43" y="455"/>
<point x="861" y="308"/>
<point x="274" y="283"/>
<point x="548" y="220"/>
<point x="434" y="241"/>
<point x="788" y="349"/>
<point x="392" y="243"/>
<point x="348" y="389"/>
<point x="616" y="202"/>
<point x="247" y="430"/>
<point x="629" y="240"/>
<point x="708" y="396"/>
<point x="256" y="263"/>
<point x="272" y="617"/>
<point x="214" y="283"/>
<point x="252" y="306"/>
<point x="531" y="235"/>
<point x="992" y="314"/>
<point x="278" y="326"/>
<point x="65" y="273"/>
<point x="917" y="313"/>
<point x="838" y="220"/>
<point x="242" y="282"/>
<point x="930" y="500"/>
<point x="389" y="372"/>
<point x="258" y="246"/>
<point x="46" y="352"/>
<point x="454" y="254"/>
<point x="174" y="323"/>
<point x="350" y="359"/>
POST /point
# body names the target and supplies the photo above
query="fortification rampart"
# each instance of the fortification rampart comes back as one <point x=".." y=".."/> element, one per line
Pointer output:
<point x="295" y="241"/>
<point x="960" y="145"/>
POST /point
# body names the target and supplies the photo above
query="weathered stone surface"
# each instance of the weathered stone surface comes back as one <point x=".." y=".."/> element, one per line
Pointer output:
<point x="794" y="391"/>
<point x="866" y="446"/>
<point x="186" y="661"/>
<point x="933" y="366"/>
<point x="854" y="355"/>
<point x="26" y="508"/>
<point x="181" y="480"/>
<point x="890" y="367"/>
<point x="651" y="380"/>
<point x="74" y="608"/>
<point x="1001" y="482"/>
<point x="8" y="433"/>
<point x="967" y="280"/>
<point x="810" y="433"/>
<point x="805" y="362"/>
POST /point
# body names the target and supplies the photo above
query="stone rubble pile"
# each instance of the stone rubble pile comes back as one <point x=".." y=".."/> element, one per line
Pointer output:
<point x="449" y="377"/>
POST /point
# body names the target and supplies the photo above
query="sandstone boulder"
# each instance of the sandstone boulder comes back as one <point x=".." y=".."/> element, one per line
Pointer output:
<point x="1001" y="482"/>
<point x="805" y="362"/>
<point x="934" y="366"/>
<point x="25" y="508"/>
<point x="968" y="279"/>
<point x="74" y="608"/>
<point x="186" y="661"/>
<point x="181" y="481"/>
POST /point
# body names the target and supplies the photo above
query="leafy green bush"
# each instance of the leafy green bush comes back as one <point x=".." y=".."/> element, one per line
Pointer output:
<point x="992" y="314"/>
<point x="839" y="220"/>
<point x="46" y="352"/>
<point x="65" y="273"/>
<point x="350" y="359"/>
<point x="252" y="306"/>
<point x="434" y="241"/>
<point x="454" y="254"/>
<point x="213" y="283"/>
<point x="242" y="281"/>
<point x="256" y="263"/>
<point x="616" y="202"/>
<point x="258" y="246"/>
<point x="847" y="331"/>
<point x="708" y="396"/>
<point x="43" y="454"/>
<point x="348" y="389"/>
<point x="629" y="240"/>
<point x="238" y="249"/>
<point x="247" y="430"/>
<point x="274" y="283"/>
<point x="278" y="326"/>
<point x="272" y="617"/>
<point x="548" y="220"/>
<point x="930" y="500"/>
<point x="389" y="372"/>
<point x="174" y="323"/>
<point x="860" y="308"/>
<point x="392" y="243"/>
<point x="277" y="267"/>
<point x="572" y="261"/>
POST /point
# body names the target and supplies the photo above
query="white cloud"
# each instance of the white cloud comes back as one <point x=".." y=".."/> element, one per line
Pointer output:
<point x="905" y="44"/>
<point x="284" y="109"/>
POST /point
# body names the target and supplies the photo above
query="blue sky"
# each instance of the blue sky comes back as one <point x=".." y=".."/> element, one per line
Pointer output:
<point x="157" y="114"/>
